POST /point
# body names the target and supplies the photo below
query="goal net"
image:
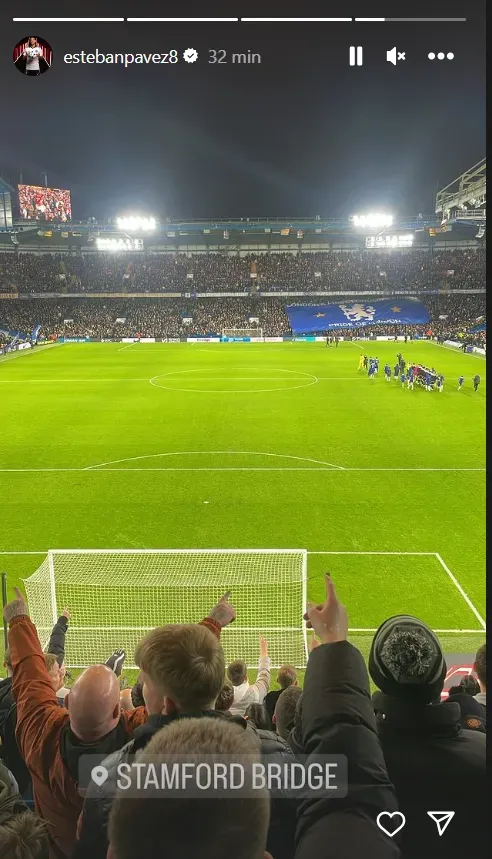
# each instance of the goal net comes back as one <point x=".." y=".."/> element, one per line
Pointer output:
<point x="257" y="333"/>
<point x="116" y="596"/>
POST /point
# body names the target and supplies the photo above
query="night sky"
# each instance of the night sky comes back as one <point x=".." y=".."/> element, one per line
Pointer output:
<point x="301" y="134"/>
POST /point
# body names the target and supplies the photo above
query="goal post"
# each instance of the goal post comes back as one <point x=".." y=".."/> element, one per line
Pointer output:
<point x="242" y="333"/>
<point x="117" y="595"/>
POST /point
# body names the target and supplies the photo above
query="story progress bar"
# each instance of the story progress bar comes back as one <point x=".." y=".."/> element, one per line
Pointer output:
<point x="168" y="20"/>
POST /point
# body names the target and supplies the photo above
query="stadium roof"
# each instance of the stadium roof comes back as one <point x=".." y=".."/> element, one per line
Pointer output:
<point x="466" y="196"/>
<point x="5" y="188"/>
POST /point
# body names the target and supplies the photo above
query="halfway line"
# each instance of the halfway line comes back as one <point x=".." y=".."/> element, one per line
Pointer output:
<point x="335" y="468"/>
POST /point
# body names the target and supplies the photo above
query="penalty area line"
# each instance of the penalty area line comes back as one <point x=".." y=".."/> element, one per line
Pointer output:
<point x="462" y="592"/>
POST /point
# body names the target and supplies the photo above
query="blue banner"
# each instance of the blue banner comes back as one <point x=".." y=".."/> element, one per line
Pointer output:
<point x="35" y="333"/>
<point x="477" y="328"/>
<point x="356" y="314"/>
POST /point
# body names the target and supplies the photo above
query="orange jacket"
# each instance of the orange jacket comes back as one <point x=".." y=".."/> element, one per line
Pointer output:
<point x="40" y="724"/>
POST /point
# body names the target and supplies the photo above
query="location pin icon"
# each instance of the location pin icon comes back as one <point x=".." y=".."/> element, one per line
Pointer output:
<point x="99" y="775"/>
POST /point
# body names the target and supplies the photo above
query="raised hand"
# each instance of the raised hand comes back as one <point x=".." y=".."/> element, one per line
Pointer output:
<point x="263" y="646"/>
<point x="224" y="612"/>
<point x="66" y="613"/>
<point x="329" y="619"/>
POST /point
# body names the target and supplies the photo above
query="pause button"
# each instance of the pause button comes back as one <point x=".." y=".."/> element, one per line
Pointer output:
<point x="355" y="55"/>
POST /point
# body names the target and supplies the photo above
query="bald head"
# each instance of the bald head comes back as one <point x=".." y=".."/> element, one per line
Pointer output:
<point x="94" y="703"/>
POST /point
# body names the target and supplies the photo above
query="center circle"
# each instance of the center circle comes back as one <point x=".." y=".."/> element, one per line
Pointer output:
<point x="240" y="383"/>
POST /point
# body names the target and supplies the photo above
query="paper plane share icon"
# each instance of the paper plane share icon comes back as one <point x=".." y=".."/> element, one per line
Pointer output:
<point x="442" y="819"/>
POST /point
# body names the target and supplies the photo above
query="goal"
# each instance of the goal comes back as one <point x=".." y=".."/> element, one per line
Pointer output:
<point x="256" y="333"/>
<point x="116" y="596"/>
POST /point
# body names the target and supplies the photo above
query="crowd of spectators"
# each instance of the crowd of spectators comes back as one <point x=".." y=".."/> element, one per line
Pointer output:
<point x="407" y="749"/>
<point x="220" y="272"/>
<point x="70" y="317"/>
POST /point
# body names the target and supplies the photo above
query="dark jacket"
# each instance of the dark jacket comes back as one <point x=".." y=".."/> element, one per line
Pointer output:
<point x="435" y="765"/>
<point x="336" y="717"/>
<point x="11" y="755"/>
<point x="270" y="701"/>
<point x="473" y="714"/>
<point x="6" y="701"/>
<point x="93" y="841"/>
<point x="56" y="644"/>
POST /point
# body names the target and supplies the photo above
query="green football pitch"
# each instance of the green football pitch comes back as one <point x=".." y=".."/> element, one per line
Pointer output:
<point x="256" y="446"/>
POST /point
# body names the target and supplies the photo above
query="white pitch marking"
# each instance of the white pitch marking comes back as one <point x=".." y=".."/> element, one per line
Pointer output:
<point x="462" y="591"/>
<point x="215" y="452"/>
<point x="207" y="379"/>
<point x="48" y="381"/>
<point x="414" y="469"/>
<point x="25" y="352"/>
<point x="440" y="631"/>
<point x="127" y="346"/>
<point x="433" y="554"/>
<point x="231" y="390"/>
<point x="333" y="468"/>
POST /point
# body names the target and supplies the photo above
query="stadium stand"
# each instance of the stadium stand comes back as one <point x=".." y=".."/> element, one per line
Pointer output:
<point x="308" y="272"/>
<point x="65" y="317"/>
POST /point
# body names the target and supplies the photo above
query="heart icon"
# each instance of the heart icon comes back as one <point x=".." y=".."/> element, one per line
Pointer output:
<point x="396" y="821"/>
<point x="99" y="775"/>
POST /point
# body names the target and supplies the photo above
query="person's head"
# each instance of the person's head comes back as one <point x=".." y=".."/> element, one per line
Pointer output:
<point x="7" y="663"/>
<point x="23" y="835"/>
<point x="136" y="692"/>
<point x="181" y="668"/>
<point x="480" y="668"/>
<point x="237" y="672"/>
<point x="286" y="676"/>
<point x="285" y="710"/>
<point x="406" y="660"/>
<point x="469" y="685"/>
<point x="32" y="41"/>
<point x="94" y="703"/>
<point x="126" y="700"/>
<point x="57" y="675"/>
<point x="141" y="826"/>
<point x="225" y="698"/>
<point x="258" y="716"/>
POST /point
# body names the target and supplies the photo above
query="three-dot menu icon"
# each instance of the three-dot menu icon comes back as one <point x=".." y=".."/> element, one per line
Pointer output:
<point x="441" y="55"/>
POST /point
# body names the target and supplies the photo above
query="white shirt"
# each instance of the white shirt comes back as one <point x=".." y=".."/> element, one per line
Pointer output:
<point x="32" y="61"/>
<point x="481" y="698"/>
<point x="254" y="693"/>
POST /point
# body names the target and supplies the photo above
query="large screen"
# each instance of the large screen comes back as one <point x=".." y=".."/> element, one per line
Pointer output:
<point x="37" y="203"/>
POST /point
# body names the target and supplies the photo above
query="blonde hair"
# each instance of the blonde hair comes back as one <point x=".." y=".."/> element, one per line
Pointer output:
<point x="286" y="676"/>
<point x="185" y="662"/>
<point x="146" y="827"/>
<point x="24" y="836"/>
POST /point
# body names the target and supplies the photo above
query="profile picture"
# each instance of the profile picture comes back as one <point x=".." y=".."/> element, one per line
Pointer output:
<point x="33" y="56"/>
